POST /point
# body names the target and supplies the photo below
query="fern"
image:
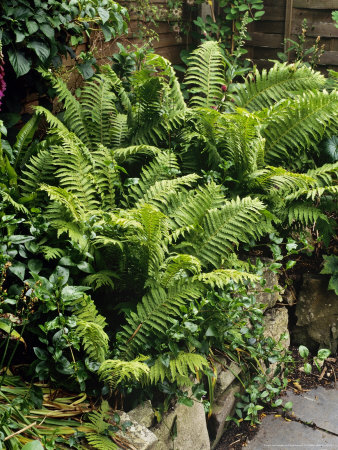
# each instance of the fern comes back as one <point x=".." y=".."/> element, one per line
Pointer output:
<point x="101" y="438"/>
<point x="297" y="124"/>
<point x="90" y="328"/>
<point x="205" y="75"/>
<point x="51" y="252"/>
<point x="221" y="229"/>
<point x="261" y="90"/>
<point x="179" y="369"/>
<point x="115" y="371"/>
<point x="99" y="279"/>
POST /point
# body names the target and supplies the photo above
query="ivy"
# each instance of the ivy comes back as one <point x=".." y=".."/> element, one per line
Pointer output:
<point x="36" y="33"/>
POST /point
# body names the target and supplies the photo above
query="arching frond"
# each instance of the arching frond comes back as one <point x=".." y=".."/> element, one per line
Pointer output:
<point x="263" y="89"/>
<point x="299" y="123"/>
<point x="205" y="75"/>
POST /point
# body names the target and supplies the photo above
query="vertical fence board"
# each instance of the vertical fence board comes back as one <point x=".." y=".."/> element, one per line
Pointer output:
<point x="267" y="33"/>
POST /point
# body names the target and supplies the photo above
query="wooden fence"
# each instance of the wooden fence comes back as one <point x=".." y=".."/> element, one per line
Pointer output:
<point x="283" y="19"/>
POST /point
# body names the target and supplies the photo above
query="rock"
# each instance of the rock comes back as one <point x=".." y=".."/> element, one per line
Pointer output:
<point x="271" y="282"/>
<point x="184" y="428"/>
<point x="276" y="323"/>
<point x="221" y="409"/>
<point x="225" y="376"/>
<point x="143" y="414"/>
<point x="317" y="313"/>
<point x="137" y="435"/>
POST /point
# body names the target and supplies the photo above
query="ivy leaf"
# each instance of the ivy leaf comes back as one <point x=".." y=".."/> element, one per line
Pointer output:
<point x="86" y="70"/>
<point x="106" y="32"/>
<point x="20" y="63"/>
<point x="19" y="270"/>
<point x="104" y="14"/>
<point x="19" y="36"/>
<point x="330" y="264"/>
<point x="47" y="30"/>
<point x="32" y="26"/>
<point x="42" y="50"/>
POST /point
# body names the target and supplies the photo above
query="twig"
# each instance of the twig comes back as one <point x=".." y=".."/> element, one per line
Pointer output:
<point x="323" y="373"/>
<point x="27" y="427"/>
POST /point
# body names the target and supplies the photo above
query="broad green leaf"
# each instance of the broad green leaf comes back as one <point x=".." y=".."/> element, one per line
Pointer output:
<point x="47" y="30"/>
<point x="20" y="63"/>
<point x="104" y="14"/>
<point x="33" y="445"/>
<point x="303" y="351"/>
<point x="323" y="353"/>
<point x="32" y="26"/>
<point x="42" y="50"/>
<point x="307" y="368"/>
<point x="18" y="268"/>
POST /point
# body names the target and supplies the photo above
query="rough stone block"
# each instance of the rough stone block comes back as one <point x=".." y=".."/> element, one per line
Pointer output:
<point x="221" y="409"/>
<point x="191" y="429"/>
<point x="143" y="414"/>
<point x="137" y="435"/>
<point x="317" y="313"/>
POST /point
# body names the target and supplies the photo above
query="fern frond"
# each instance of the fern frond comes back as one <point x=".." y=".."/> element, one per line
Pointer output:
<point x="18" y="206"/>
<point x="220" y="278"/>
<point x="205" y="75"/>
<point x="40" y="169"/>
<point x="98" y="110"/>
<point x="237" y="221"/>
<point x="156" y="310"/>
<point x="51" y="252"/>
<point x="100" y="441"/>
<point x="115" y="371"/>
<point x="299" y="123"/>
<point x="177" y="267"/>
<point x="304" y="214"/>
<point x="99" y="279"/>
<point x="122" y="154"/>
<point x="179" y="370"/>
<point x="119" y="131"/>
<point x="90" y="328"/>
<point x="163" y="167"/>
<point x="74" y="115"/>
<point x="67" y="199"/>
<point x="283" y="80"/>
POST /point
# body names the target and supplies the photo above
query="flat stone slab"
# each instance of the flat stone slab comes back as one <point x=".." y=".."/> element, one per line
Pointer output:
<point x="277" y="433"/>
<point x="318" y="406"/>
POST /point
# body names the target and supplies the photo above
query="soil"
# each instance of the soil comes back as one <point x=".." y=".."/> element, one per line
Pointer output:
<point x="235" y="437"/>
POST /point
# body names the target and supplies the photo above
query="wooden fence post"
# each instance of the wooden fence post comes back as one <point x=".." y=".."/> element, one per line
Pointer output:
<point x="288" y="25"/>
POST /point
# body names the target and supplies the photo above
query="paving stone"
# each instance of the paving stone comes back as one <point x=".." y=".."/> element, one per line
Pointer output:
<point x="319" y="406"/>
<point x="277" y="433"/>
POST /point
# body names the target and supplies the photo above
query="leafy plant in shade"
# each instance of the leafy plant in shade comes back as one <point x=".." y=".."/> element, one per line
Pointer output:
<point x="331" y="268"/>
<point x="36" y="33"/>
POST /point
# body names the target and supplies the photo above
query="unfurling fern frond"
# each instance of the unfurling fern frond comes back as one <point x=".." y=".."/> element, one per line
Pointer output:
<point x="179" y="369"/>
<point x="299" y="123"/>
<point x="261" y="90"/>
<point x="90" y="328"/>
<point x="205" y="75"/>
<point x="115" y="371"/>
